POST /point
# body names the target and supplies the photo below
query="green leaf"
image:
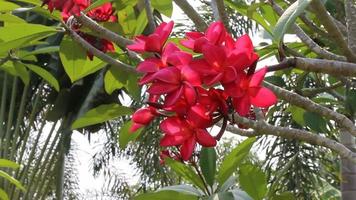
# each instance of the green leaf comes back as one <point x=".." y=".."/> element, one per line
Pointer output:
<point x="8" y="163"/>
<point x="288" y="18"/>
<point x="75" y="62"/>
<point x="96" y="4"/>
<point x="7" y="6"/>
<point x="166" y="195"/>
<point x="284" y="196"/>
<point x="315" y="122"/>
<point x="12" y="180"/>
<point x="133" y="88"/>
<point x="9" y="18"/>
<point x="141" y="23"/>
<point x="101" y="114"/>
<point x="297" y="114"/>
<point x="183" y="189"/>
<point x="234" y="159"/>
<point x="3" y="195"/>
<point x="163" y="6"/>
<point x="42" y="50"/>
<point x="13" y="36"/>
<point x="121" y="4"/>
<point x="231" y="181"/>
<point x="185" y="172"/>
<point x="127" y="20"/>
<point x="253" y="181"/>
<point x="240" y="195"/>
<point x="45" y="75"/>
<point x="207" y="163"/>
<point x="114" y="79"/>
<point x="125" y="136"/>
<point x="22" y="72"/>
<point x="222" y="196"/>
<point x="350" y="103"/>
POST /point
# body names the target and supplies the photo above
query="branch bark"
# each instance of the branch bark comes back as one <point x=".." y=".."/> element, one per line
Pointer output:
<point x="262" y="128"/>
<point x="332" y="29"/>
<point x="308" y="41"/>
<point x="149" y="14"/>
<point x="219" y="12"/>
<point x="88" y="47"/>
<point x="192" y="14"/>
<point x="311" y="106"/>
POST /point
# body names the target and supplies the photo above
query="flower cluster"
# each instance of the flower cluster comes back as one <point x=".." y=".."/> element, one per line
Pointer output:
<point x="192" y="93"/>
<point x="103" y="13"/>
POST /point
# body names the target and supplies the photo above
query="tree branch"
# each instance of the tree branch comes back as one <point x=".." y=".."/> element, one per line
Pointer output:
<point x="88" y="47"/>
<point x="308" y="41"/>
<point x="311" y="106"/>
<point x="332" y="29"/>
<point x="192" y="14"/>
<point x="350" y="10"/>
<point x="149" y="14"/>
<point x="219" y="12"/>
<point x="262" y="128"/>
<point x="336" y="68"/>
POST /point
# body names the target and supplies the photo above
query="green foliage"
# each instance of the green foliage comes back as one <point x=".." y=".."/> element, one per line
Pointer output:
<point x="101" y="114"/>
<point x="163" y="6"/>
<point x="207" y="161"/>
<point x="125" y="136"/>
<point x="253" y="181"/>
<point x="234" y="159"/>
<point x="166" y="195"/>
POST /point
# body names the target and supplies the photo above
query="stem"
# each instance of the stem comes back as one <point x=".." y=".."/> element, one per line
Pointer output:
<point x="201" y="176"/>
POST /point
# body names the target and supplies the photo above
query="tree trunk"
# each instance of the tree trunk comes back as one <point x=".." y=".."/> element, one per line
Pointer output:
<point x="348" y="169"/>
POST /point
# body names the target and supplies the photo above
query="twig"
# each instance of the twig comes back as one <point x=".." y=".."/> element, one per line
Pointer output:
<point x="311" y="106"/>
<point x="219" y="12"/>
<point x="192" y="14"/>
<point x="332" y="29"/>
<point x="149" y="14"/>
<point x="87" y="46"/>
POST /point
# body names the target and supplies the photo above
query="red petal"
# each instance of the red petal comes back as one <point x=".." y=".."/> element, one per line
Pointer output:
<point x="147" y="66"/>
<point x="199" y="117"/>
<point x="162" y="88"/>
<point x="173" y="97"/>
<point x="229" y="75"/>
<point x="216" y="32"/>
<point x="258" y="77"/>
<point x="187" y="148"/>
<point x="264" y="98"/>
<point x="134" y="127"/>
<point x="194" y="35"/>
<point x="179" y="58"/>
<point x="168" y="75"/>
<point x="171" y="126"/>
<point x="190" y="94"/>
<point x="202" y="67"/>
<point x="191" y="76"/>
<point x="173" y="140"/>
<point x="211" y="80"/>
<point x="164" y="30"/>
<point x="204" y="138"/>
<point x="143" y="116"/>
<point x="244" y="42"/>
<point x="152" y="43"/>
<point x="187" y="43"/>
<point x="242" y="105"/>
<point x="214" y="55"/>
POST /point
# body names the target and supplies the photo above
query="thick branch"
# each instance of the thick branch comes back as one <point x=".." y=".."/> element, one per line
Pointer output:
<point x="192" y="14"/>
<point x="149" y="14"/>
<point x="219" y="12"/>
<point x="350" y="10"/>
<point x="311" y="106"/>
<point x="335" y="68"/>
<point x="262" y="128"/>
<point x="308" y="41"/>
<point x="332" y="28"/>
<point x="88" y="47"/>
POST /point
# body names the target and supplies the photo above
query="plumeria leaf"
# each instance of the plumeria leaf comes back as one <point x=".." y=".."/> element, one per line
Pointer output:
<point x="3" y="195"/>
<point x="253" y="180"/>
<point x="163" y="6"/>
<point x="101" y="114"/>
<point x="207" y="163"/>
<point x="166" y="195"/>
<point x="234" y="159"/>
<point x="11" y="180"/>
<point x="288" y="18"/>
<point x="185" y="172"/>
<point x="8" y="163"/>
<point x="125" y="136"/>
<point x="184" y="189"/>
<point x="45" y="75"/>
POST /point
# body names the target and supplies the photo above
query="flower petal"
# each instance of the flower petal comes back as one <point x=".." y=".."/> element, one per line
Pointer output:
<point x="172" y="140"/>
<point x="214" y="55"/>
<point x="160" y="87"/>
<point x="242" y="105"/>
<point x="264" y="98"/>
<point x="190" y="94"/>
<point x="173" y="97"/>
<point x="187" y="148"/>
<point x="143" y="116"/>
<point x="171" y="125"/>
<point x="168" y="75"/>
<point x="191" y="76"/>
<point x="147" y="66"/>
<point x="204" y="138"/>
<point x="199" y="117"/>
<point x="258" y="77"/>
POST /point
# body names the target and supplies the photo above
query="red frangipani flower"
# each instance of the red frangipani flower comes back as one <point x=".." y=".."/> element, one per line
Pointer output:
<point x="247" y="91"/>
<point x="103" y="13"/>
<point x="193" y="93"/>
<point x="143" y="117"/>
<point x="153" y="42"/>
